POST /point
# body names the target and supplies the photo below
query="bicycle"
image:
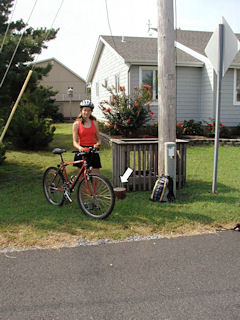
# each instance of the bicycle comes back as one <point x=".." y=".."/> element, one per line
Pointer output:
<point x="95" y="193"/>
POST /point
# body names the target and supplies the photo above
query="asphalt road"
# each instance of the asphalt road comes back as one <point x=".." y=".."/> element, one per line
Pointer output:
<point x="194" y="277"/>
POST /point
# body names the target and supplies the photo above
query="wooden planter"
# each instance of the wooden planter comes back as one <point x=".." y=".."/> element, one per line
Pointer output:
<point x="142" y="156"/>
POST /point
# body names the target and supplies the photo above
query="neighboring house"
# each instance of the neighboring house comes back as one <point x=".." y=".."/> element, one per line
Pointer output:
<point x="61" y="79"/>
<point x="132" y="61"/>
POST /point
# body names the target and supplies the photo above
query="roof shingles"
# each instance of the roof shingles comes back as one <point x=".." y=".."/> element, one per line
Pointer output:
<point x="144" y="50"/>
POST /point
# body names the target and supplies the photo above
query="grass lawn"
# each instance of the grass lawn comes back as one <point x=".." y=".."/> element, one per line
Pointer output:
<point x="27" y="219"/>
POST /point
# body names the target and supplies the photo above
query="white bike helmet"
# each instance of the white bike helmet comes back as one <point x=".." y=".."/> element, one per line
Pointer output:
<point x="86" y="103"/>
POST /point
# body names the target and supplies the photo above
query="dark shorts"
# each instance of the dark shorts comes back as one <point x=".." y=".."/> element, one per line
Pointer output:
<point x="93" y="160"/>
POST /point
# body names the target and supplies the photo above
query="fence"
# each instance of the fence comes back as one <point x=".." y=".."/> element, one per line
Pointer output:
<point x="142" y="156"/>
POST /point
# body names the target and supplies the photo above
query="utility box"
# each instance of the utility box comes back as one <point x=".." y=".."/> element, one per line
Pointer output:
<point x="170" y="162"/>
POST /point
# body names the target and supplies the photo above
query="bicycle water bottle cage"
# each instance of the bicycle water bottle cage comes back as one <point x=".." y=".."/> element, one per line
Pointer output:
<point x="58" y="151"/>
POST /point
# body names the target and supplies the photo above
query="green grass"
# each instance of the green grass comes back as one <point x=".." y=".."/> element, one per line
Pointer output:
<point x="27" y="219"/>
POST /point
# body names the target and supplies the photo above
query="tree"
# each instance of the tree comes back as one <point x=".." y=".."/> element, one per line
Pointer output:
<point x="32" y="43"/>
<point x="36" y="96"/>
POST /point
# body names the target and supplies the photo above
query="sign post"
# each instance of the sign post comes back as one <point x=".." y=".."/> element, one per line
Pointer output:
<point x="218" y="106"/>
<point x="221" y="50"/>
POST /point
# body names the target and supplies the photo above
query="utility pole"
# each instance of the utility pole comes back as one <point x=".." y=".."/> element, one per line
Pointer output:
<point x="166" y="79"/>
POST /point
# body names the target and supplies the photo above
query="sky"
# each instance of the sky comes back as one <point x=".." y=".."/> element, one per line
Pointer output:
<point x="82" y="21"/>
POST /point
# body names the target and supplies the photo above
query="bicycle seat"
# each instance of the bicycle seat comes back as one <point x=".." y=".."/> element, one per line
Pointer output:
<point x="58" y="151"/>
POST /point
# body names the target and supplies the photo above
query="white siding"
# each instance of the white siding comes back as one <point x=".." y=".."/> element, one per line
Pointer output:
<point x="188" y="93"/>
<point x="207" y="94"/>
<point x="230" y="113"/>
<point x="109" y="65"/>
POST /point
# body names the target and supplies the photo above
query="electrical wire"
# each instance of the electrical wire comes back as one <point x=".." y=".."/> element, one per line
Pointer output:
<point x="54" y="19"/>
<point x="5" y="35"/>
<point x="9" y="65"/>
<point x="109" y="25"/>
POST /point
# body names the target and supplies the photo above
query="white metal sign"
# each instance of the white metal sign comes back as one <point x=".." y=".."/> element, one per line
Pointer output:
<point x="231" y="46"/>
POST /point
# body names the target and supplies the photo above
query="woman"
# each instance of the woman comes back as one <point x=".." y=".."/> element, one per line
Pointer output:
<point x="86" y="134"/>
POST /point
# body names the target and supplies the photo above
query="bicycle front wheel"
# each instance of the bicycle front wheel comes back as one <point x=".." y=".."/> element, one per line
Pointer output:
<point x="96" y="197"/>
<point x="53" y="182"/>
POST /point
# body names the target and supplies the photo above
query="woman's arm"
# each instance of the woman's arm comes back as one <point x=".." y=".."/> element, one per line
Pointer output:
<point x="98" y="139"/>
<point x="75" y="135"/>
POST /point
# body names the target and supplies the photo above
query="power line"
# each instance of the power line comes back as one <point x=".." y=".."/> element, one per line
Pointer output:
<point x="54" y="19"/>
<point x="9" y="65"/>
<point x="5" y="35"/>
<point x="109" y="25"/>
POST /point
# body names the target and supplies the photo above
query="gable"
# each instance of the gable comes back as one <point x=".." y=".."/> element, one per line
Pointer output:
<point x="60" y="78"/>
<point x="60" y="69"/>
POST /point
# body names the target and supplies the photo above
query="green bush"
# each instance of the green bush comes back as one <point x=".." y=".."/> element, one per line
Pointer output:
<point x="3" y="150"/>
<point x="224" y="132"/>
<point x="103" y="127"/>
<point x="29" y="131"/>
<point x="236" y="130"/>
<point x="190" y="127"/>
<point x="125" y="114"/>
<point x="179" y="130"/>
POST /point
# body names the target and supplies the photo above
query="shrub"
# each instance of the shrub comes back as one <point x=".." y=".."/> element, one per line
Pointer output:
<point x="151" y="130"/>
<point x="42" y="98"/>
<point x="236" y="130"/>
<point x="103" y="127"/>
<point x="179" y="130"/>
<point x="224" y="132"/>
<point x="189" y="127"/>
<point x="29" y="131"/>
<point x="3" y="150"/>
<point x="125" y="114"/>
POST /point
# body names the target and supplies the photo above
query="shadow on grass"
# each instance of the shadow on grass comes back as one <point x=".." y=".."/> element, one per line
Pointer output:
<point x="201" y="191"/>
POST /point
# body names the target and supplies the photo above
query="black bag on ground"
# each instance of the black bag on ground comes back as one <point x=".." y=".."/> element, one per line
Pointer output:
<point x="163" y="189"/>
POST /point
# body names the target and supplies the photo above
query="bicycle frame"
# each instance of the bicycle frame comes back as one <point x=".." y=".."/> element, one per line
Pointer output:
<point x="83" y="171"/>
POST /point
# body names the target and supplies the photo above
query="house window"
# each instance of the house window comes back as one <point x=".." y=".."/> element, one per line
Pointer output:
<point x="149" y="76"/>
<point x="237" y="87"/>
<point x="117" y="82"/>
<point x="97" y="89"/>
<point x="105" y="83"/>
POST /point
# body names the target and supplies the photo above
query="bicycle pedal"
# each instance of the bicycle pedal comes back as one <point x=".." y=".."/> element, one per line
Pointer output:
<point x="68" y="200"/>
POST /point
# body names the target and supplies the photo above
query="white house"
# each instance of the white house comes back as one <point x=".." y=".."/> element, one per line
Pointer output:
<point x="132" y="61"/>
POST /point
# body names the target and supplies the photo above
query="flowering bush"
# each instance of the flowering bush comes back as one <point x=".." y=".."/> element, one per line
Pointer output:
<point x="224" y="132"/>
<point x="189" y="128"/>
<point x="125" y="114"/>
<point x="179" y="130"/>
<point x="210" y="130"/>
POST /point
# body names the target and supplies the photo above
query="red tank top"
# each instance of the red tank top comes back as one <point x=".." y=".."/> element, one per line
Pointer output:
<point x="86" y="135"/>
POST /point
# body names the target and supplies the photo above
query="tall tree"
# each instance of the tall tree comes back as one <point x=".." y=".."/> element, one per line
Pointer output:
<point x="32" y="43"/>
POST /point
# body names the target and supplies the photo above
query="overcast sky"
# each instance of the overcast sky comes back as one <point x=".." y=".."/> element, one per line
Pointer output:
<point x="82" y="21"/>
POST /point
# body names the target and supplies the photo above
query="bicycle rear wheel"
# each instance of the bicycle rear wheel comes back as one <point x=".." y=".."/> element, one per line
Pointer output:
<point x="96" y="197"/>
<point x="53" y="182"/>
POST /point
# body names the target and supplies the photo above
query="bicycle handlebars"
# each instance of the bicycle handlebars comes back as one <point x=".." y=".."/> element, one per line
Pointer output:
<point x="86" y="150"/>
